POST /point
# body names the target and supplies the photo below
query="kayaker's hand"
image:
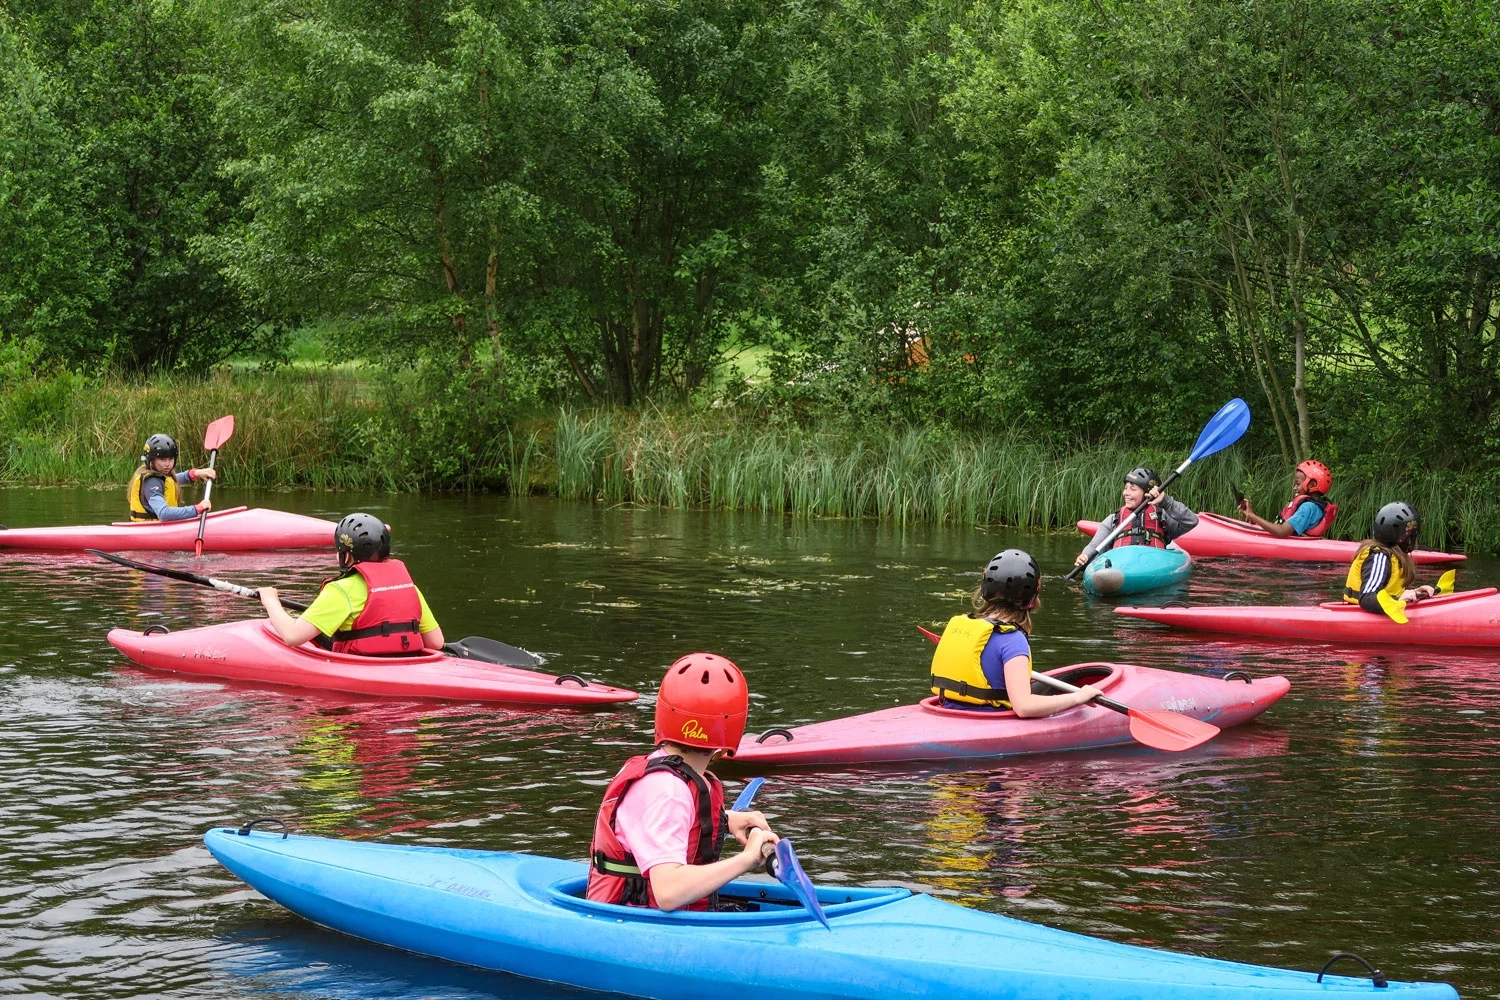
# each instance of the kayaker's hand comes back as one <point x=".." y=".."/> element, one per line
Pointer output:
<point x="1088" y="693"/>
<point x="1154" y="495"/>
<point x="1247" y="510"/>
<point x="1083" y="557"/>
<point x="269" y="598"/>
<point x="760" y="845"/>
<point x="741" y="823"/>
<point x="205" y="474"/>
<point x="203" y="506"/>
<point x="1418" y="593"/>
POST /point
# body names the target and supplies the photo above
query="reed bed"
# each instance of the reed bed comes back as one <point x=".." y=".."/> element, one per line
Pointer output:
<point x="332" y="429"/>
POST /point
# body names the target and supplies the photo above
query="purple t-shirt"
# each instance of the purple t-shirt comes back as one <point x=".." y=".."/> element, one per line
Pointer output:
<point x="1001" y="647"/>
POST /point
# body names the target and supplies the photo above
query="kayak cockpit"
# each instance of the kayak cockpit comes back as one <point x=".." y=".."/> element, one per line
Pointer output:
<point x="741" y="901"/>
<point x="213" y="514"/>
<point x="1102" y="675"/>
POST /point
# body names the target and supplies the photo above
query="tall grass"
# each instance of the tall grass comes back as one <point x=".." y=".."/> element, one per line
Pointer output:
<point x="333" y="429"/>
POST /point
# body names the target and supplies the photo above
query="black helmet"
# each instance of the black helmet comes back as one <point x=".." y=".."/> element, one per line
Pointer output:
<point x="1396" y="524"/>
<point x="362" y="538"/>
<point x="158" y="446"/>
<point x="1013" y="577"/>
<point x="1144" y="477"/>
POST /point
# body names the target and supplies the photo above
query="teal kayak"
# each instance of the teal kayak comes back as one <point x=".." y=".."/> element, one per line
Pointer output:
<point x="524" y="914"/>
<point x="1133" y="569"/>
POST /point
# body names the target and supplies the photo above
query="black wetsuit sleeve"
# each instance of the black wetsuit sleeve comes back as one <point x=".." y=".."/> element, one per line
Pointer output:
<point x="1373" y="577"/>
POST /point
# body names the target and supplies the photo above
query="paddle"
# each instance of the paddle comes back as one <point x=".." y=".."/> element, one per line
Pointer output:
<point x="747" y="795"/>
<point x="218" y="432"/>
<point x="783" y="866"/>
<point x="1222" y="430"/>
<point x="1395" y="609"/>
<point x="1239" y="497"/>
<point x="473" y="647"/>
<point x="1158" y="729"/>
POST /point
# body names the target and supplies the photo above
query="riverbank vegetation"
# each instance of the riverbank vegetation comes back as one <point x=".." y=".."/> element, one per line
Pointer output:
<point x="984" y="253"/>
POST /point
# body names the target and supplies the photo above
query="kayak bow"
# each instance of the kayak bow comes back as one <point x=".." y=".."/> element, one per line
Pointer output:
<point x="524" y="914"/>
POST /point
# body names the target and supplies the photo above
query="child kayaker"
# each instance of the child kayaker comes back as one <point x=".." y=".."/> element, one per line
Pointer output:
<point x="983" y="660"/>
<point x="1383" y="564"/>
<point x="1156" y="518"/>
<point x="371" y="608"/>
<point x="152" y="493"/>
<point x="658" y="832"/>
<point x="1309" y="514"/>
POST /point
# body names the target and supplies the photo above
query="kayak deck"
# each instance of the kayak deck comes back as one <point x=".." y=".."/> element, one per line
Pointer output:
<point x="249" y="651"/>
<point x="1217" y="535"/>
<point x="928" y="731"/>
<point x="1135" y="569"/>
<point x="521" y="914"/>
<point x="237" y="529"/>
<point x="1471" y="618"/>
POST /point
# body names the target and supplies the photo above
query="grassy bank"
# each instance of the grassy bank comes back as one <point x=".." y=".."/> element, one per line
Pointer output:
<point x="333" y="429"/>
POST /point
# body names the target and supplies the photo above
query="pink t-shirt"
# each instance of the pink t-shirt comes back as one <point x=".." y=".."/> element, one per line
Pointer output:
<point x="655" y="818"/>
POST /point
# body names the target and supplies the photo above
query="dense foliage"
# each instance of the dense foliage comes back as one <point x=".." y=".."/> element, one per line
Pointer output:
<point x="1089" y="219"/>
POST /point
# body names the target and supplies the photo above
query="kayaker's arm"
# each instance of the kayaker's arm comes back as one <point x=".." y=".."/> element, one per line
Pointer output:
<point x="293" y="631"/>
<point x="1029" y="705"/>
<point x="433" y="639"/>
<point x="1105" y="527"/>
<point x="1282" y="530"/>
<point x="675" y="886"/>
<point x="1177" y="518"/>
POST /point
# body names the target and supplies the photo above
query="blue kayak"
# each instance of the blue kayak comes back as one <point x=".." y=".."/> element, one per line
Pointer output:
<point x="1133" y="569"/>
<point x="523" y="914"/>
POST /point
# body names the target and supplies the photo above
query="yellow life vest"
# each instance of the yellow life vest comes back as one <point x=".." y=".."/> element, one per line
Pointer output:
<point x="138" y="509"/>
<point x="1395" y="586"/>
<point x="956" y="671"/>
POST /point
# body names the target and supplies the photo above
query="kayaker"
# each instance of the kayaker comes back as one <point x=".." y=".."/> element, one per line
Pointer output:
<point x="371" y="608"/>
<point x="1309" y="514"/>
<point x="659" y="830"/>
<point x="983" y="660"/>
<point x="1156" y="517"/>
<point x="1383" y="564"/>
<point x="152" y="493"/>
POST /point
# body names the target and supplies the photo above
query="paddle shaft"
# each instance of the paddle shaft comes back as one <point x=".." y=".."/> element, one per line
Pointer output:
<point x="1125" y="523"/>
<point x="1062" y="685"/>
<point x="224" y="586"/>
<point x="208" y="486"/>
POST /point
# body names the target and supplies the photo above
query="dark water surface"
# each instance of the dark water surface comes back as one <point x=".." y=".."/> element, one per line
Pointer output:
<point x="1361" y="813"/>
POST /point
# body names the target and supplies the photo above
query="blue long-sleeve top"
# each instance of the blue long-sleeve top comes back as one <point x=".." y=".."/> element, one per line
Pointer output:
<point x="151" y="496"/>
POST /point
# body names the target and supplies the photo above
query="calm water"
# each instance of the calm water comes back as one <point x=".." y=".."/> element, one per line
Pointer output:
<point x="1360" y="814"/>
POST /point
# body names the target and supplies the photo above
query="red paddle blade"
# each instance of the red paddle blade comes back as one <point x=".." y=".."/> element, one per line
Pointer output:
<point x="1169" y="730"/>
<point x="218" y="432"/>
<point x="929" y="634"/>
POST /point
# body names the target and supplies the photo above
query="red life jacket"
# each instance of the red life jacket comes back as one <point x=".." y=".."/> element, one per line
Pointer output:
<point x="1144" y="530"/>
<point x="391" y="620"/>
<point x="1330" y="511"/>
<point x="613" y="875"/>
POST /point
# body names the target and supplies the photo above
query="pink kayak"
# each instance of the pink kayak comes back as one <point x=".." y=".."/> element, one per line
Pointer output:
<point x="250" y="651"/>
<point x="1468" y="619"/>
<point x="1222" y="536"/>
<point x="238" y="529"/>
<point x="928" y="731"/>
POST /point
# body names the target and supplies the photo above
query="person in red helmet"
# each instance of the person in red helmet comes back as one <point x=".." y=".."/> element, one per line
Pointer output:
<point x="1309" y="514"/>
<point x="658" y="833"/>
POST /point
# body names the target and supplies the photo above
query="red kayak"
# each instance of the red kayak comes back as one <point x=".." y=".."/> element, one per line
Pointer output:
<point x="928" y="731"/>
<point x="1468" y="619"/>
<point x="238" y="529"/>
<point x="250" y="651"/>
<point x="1222" y="536"/>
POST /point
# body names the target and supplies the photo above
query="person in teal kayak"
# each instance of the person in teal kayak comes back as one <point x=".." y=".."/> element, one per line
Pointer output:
<point x="1309" y="514"/>
<point x="371" y="608"/>
<point x="153" y="490"/>
<point x="983" y="660"/>
<point x="1155" y="518"/>
<point x="659" y="830"/>
<point x="1382" y="573"/>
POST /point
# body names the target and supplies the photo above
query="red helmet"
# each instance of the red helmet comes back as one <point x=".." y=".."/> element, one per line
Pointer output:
<point x="703" y="702"/>
<point x="1319" y="479"/>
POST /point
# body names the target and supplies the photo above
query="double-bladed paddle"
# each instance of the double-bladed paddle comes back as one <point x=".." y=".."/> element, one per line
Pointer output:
<point x="213" y="439"/>
<point x="782" y="863"/>
<point x="1395" y="609"/>
<point x="1158" y="729"/>
<point x="474" y="647"/>
<point x="747" y="795"/>
<point x="1222" y="430"/>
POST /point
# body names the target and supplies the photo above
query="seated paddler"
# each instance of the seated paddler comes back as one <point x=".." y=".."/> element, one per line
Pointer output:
<point x="1309" y="514"/>
<point x="983" y="660"/>
<point x="154" y="492"/>
<point x="1383" y="574"/>
<point x="1154" y="518"/>
<point x="372" y="607"/>
<point x="659" y="831"/>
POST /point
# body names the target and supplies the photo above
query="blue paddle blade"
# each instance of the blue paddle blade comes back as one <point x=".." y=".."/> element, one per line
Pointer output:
<point x="1224" y="429"/>
<point x="788" y="871"/>
<point x="747" y="795"/>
